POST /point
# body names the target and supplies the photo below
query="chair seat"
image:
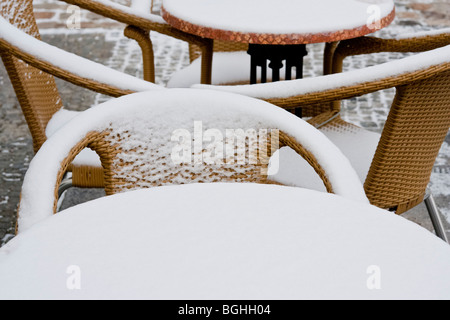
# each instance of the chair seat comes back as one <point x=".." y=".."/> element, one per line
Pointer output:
<point x="87" y="157"/>
<point x="227" y="68"/>
<point x="357" y="144"/>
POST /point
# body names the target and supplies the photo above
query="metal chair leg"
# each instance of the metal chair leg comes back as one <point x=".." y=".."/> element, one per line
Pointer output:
<point x="435" y="217"/>
<point x="65" y="185"/>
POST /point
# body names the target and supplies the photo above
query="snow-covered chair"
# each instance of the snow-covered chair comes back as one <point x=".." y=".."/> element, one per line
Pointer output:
<point x="140" y="21"/>
<point x="337" y="52"/>
<point x="179" y="136"/>
<point x="32" y="65"/>
<point x="395" y="166"/>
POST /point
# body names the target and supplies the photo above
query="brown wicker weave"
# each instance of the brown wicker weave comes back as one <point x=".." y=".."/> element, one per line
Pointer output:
<point x="35" y="86"/>
<point x="35" y="90"/>
<point x="117" y="180"/>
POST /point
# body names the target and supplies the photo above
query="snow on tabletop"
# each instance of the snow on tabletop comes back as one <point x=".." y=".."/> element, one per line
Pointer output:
<point x="285" y="89"/>
<point x="70" y="62"/>
<point x="157" y="115"/>
<point x="225" y="241"/>
<point x="277" y="17"/>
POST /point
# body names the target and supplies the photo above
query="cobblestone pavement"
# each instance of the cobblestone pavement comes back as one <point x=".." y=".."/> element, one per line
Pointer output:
<point x="102" y="40"/>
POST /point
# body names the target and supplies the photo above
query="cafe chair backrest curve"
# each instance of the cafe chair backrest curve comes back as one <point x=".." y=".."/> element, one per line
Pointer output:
<point x="180" y="136"/>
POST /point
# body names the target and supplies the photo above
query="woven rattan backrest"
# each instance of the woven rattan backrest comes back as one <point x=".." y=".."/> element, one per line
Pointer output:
<point x="36" y="91"/>
<point x="416" y="127"/>
<point x="189" y="136"/>
<point x="130" y="163"/>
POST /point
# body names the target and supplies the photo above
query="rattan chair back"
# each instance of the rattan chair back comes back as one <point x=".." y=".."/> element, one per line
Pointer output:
<point x="36" y="91"/>
<point x="416" y="127"/>
<point x="136" y="155"/>
<point x="219" y="138"/>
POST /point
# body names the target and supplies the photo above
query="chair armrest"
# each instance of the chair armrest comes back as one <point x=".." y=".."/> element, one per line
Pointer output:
<point x="68" y="66"/>
<point x="131" y="16"/>
<point x="424" y="41"/>
<point x="303" y="92"/>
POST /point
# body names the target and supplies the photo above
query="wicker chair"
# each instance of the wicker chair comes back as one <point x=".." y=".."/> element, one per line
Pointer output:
<point x="397" y="165"/>
<point x="145" y="140"/>
<point x="32" y="65"/>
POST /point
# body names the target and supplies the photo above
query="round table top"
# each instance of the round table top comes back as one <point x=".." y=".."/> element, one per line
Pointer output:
<point x="225" y="241"/>
<point x="281" y="21"/>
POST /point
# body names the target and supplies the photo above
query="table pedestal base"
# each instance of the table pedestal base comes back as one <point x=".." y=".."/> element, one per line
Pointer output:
<point x="276" y="54"/>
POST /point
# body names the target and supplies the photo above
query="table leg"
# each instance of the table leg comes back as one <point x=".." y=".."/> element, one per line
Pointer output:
<point x="292" y="54"/>
<point x="263" y="71"/>
<point x="207" y="58"/>
<point x="289" y="66"/>
<point x="258" y="61"/>
<point x="253" y="70"/>
<point x="276" y="63"/>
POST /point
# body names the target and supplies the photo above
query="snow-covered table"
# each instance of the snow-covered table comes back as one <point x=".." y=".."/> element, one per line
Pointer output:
<point x="270" y="24"/>
<point x="225" y="241"/>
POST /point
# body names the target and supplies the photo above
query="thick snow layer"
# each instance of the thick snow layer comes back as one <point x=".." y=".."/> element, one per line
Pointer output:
<point x="225" y="241"/>
<point x="157" y="115"/>
<point x="284" y="89"/>
<point x="70" y="62"/>
<point x="278" y="17"/>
